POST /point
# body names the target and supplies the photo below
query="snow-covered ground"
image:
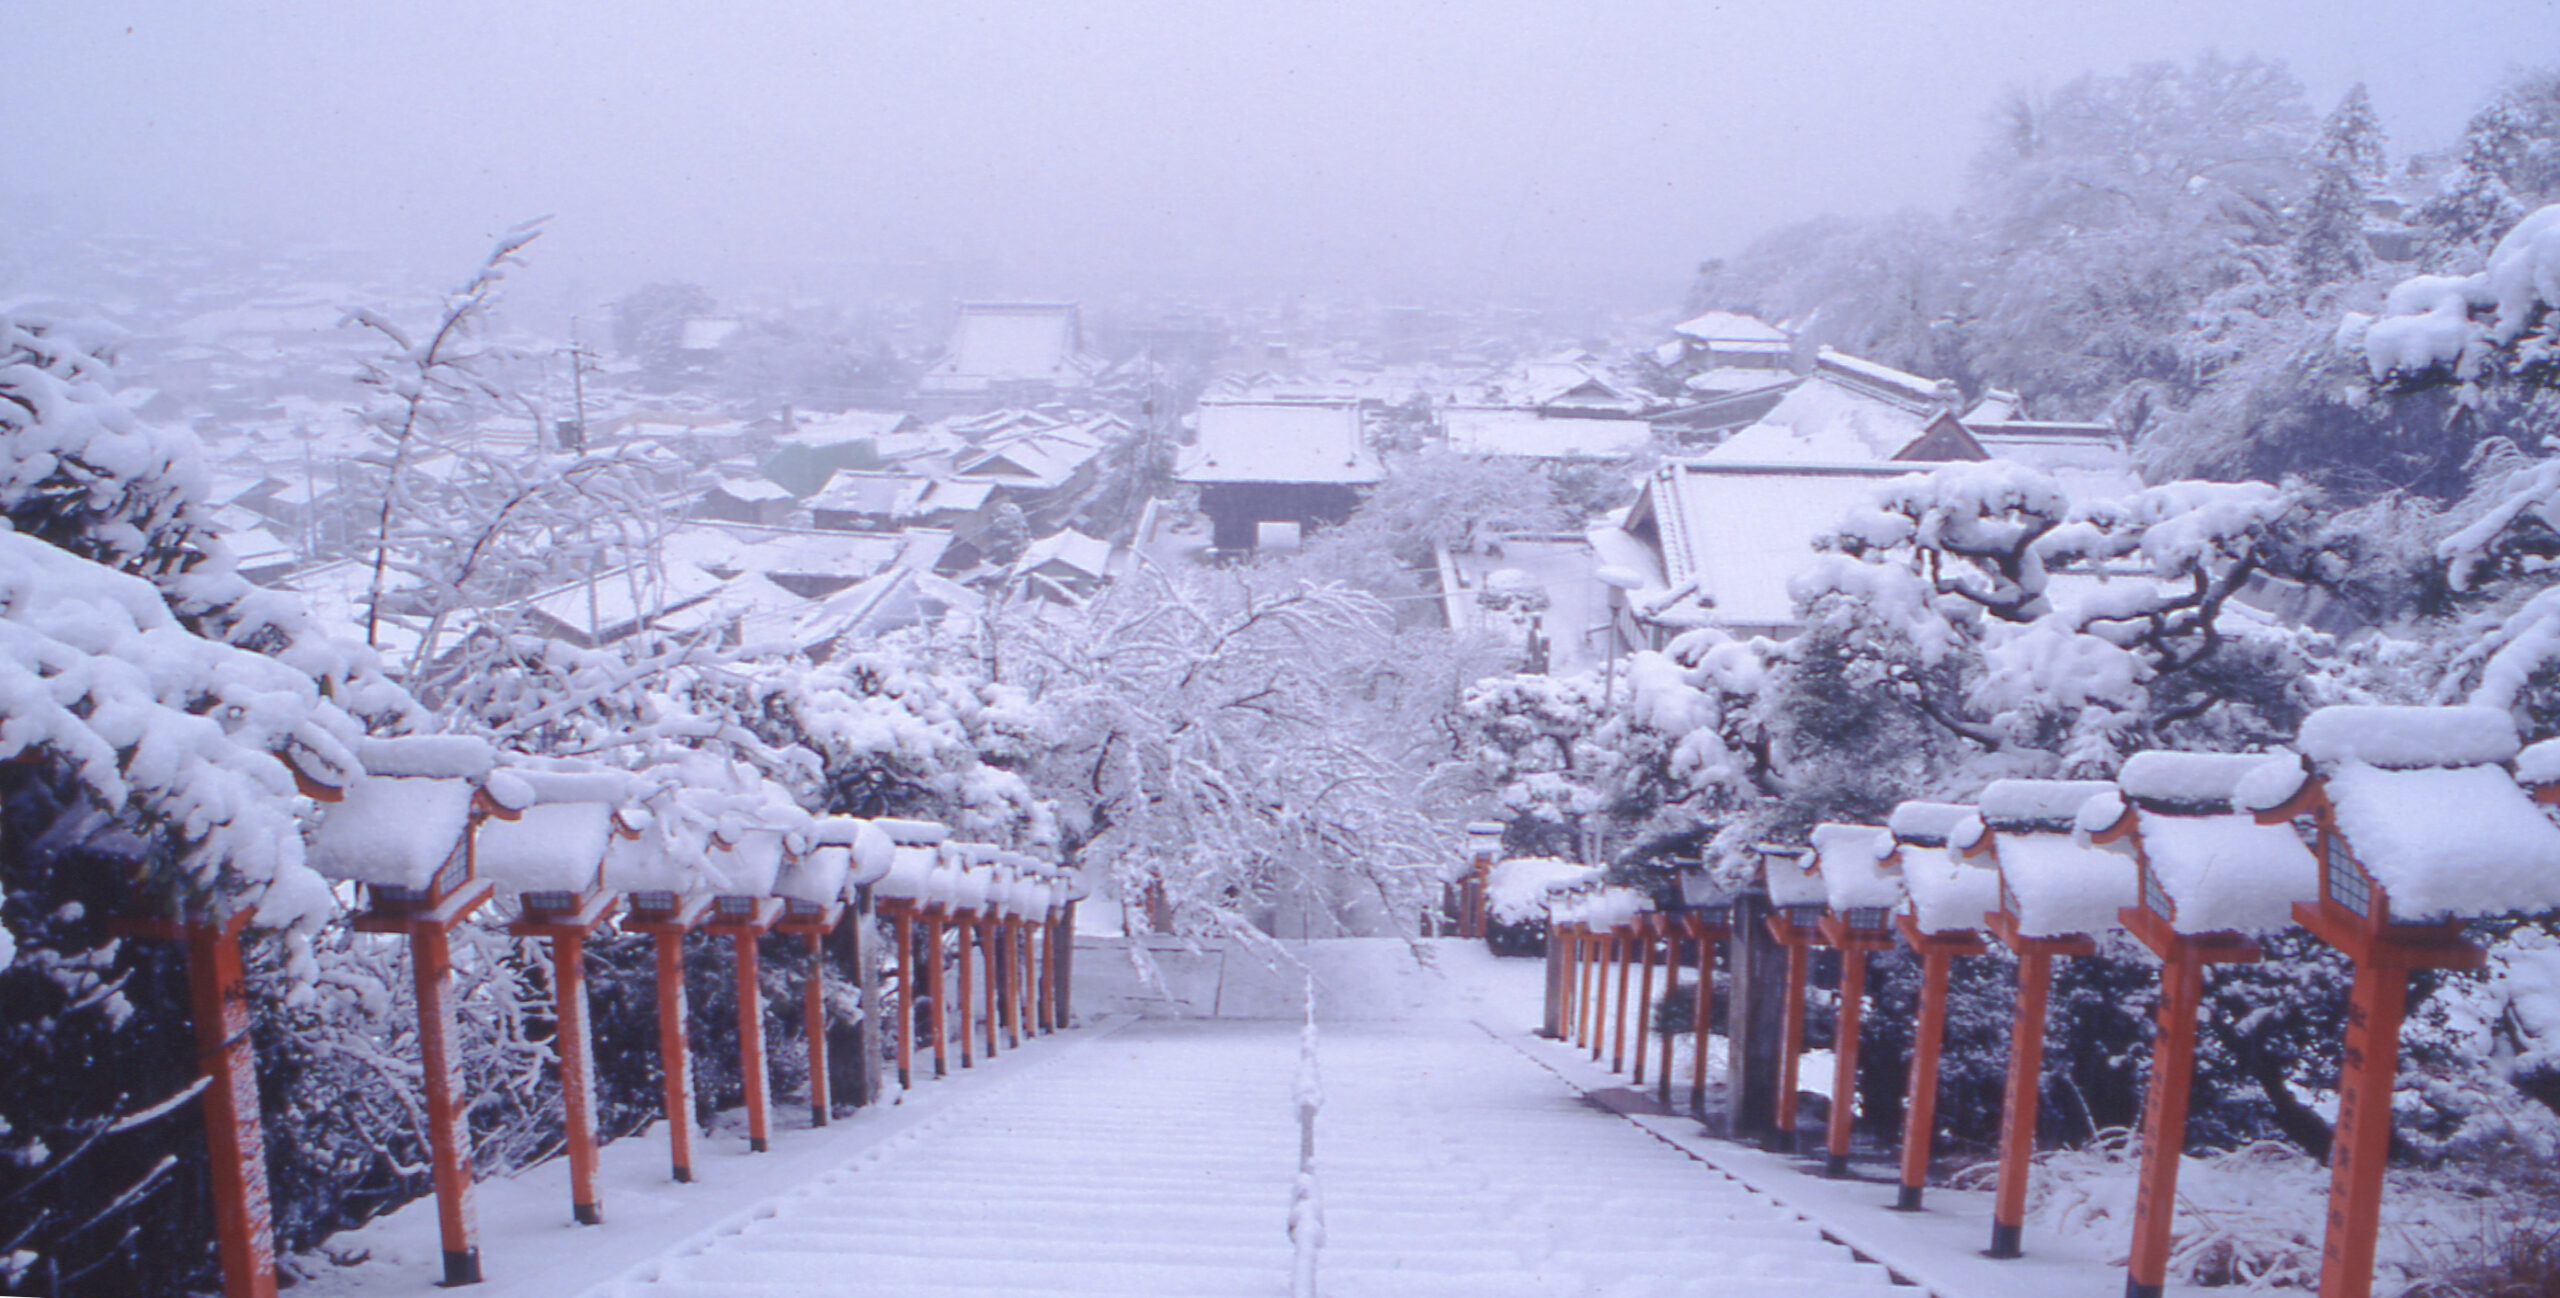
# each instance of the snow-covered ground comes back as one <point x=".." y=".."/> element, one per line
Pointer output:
<point x="1457" y="1154"/>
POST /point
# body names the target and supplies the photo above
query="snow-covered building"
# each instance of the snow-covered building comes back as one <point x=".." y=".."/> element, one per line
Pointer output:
<point x="1066" y="567"/>
<point x="746" y="500"/>
<point x="1290" y="462"/>
<point x="1013" y="351"/>
<point x="856" y="500"/>
<point x="1724" y="340"/>
<point x="1529" y="433"/>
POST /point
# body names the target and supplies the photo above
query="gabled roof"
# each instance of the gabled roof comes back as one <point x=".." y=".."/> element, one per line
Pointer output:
<point x="1067" y="553"/>
<point x="1281" y="441"/>
<point x="898" y="598"/>
<point x="1507" y="430"/>
<point x="1013" y="342"/>
<point x="1044" y="457"/>
<point x="857" y="491"/>
<point x="1733" y="536"/>
<point x="1826" y="421"/>
<point x="1727" y="327"/>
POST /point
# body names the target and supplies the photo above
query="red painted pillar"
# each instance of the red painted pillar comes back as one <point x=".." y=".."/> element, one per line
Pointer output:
<point x="813" y="1025"/>
<point x="1606" y="946"/>
<point x="991" y="952"/>
<point x="1623" y="940"/>
<point x="964" y="926"/>
<point x="1844" y="1058"/>
<point x="751" y="1061"/>
<point x="1670" y="989"/>
<point x="1011" y="938"/>
<point x="2018" y="1102"/>
<point x="431" y="956"/>
<point x="1920" y="1096"/>
<point x="576" y="1044"/>
<point x="675" y="1060"/>
<point x="1644" y="992"/>
<point x="904" y="923"/>
<point x="2164" y="1121"/>
<point x="2363" y="1142"/>
<point x="1701" y="1011"/>
<point x="1791" y="1042"/>
<point x="234" y="1145"/>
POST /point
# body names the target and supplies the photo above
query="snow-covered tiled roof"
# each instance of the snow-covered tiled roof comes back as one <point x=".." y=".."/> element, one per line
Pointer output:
<point x="1507" y="430"/>
<point x="1280" y="441"/>
<point x="1013" y="342"/>
<point x="1733" y="536"/>
<point x="1727" y="327"/>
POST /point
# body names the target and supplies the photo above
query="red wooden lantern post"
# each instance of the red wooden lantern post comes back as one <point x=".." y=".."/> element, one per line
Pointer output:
<point x="1945" y="900"/>
<point x="899" y="893"/>
<point x="969" y="882"/>
<point x="745" y="861"/>
<point x="813" y="886"/>
<point x="2053" y="895"/>
<point x="2418" y="827"/>
<point x="1796" y="899"/>
<point x="235" y="1142"/>
<point x="2206" y="872"/>
<point x="405" y="832"/>
<point x="1623" y="937"/>
<point x="1709" y="926"/>
<point x="667" y="917"/>
<point x="1649" y="932"/>
<point x="1862" y="888"/>
<point x="1484" y="844"/>
<point x="551" y="861"/>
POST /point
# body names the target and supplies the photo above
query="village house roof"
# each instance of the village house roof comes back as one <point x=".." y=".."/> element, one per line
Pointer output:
<point x="1011" y="342"/>
<point x="1280" y="441"/>
<point x="1732" y="537"/>
<point x="1532" y="434"/>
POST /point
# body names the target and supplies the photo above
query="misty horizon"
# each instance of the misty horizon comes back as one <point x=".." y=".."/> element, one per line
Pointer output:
<point x="1518" y="152"/>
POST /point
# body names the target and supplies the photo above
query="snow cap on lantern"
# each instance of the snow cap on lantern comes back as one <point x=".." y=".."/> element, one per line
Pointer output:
<point x="402" y="828"/>
<point x="1521" y="890"/>
<point x="2207" y="865"/>
<point x="1794" y="880"/>
<point x="868" y="849"/>
<point x="1946" y="892"/>
<point x="2052" y="882"/>
<point x="1859" y="877"/>
<point x="553" y="852"/>
<point x="917" y="844"/>
<point x="2428" y="826"/>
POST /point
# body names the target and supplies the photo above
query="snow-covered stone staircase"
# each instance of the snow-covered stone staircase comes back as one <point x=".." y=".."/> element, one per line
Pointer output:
<point x="1158" y="1160"/>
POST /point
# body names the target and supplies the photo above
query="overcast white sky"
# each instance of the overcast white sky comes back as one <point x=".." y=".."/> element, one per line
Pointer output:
<point x="1530" y="143"/>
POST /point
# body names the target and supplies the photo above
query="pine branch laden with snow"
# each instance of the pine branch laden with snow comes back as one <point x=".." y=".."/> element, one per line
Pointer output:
<point x="1958" y="566"/>
<point x="2460" y="326"/>
<point x="169" y="732"/>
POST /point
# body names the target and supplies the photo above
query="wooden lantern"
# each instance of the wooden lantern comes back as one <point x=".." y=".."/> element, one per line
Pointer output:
<point x="1797" y="900"/>
<point x="812" y="889"/>
<point x="901" y="896"/>
<point x="743" y="863"/>
<point x="1706" y="918"/>
<point x="405" y="832"/>
<point x="2208" y="875"/>
<point x="1862" y="888"/>
<point x="662" y="898"/>
<point x="1484" y="845"/>
<point x="551" y="861"/>
<point x="1945" y="900"/>
<point x="2056" y="894"/>
<point x="2417" y="826"/>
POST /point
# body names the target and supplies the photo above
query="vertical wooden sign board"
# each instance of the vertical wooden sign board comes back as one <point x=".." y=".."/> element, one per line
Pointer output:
<point x="743" y="920"/>
<point x="1920" y="1103"/>
<point x="667" y="918"/>
<point x="1854" y="944"/>
<point x="812" y="923"/>
<point x="235" y="1141"/>
<point x="430" y="933"/>
<point x="573" y="1040"/>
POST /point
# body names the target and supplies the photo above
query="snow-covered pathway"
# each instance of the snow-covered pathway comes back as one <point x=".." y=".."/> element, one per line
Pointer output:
<point x="1158" y="1161"/>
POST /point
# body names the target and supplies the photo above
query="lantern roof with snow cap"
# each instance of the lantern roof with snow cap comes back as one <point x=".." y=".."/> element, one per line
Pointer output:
<point x="1521" y="889"/>
<point x="2053" y="882"/>
<point x="869" y="849"/>
<point x="403" y="828"/>
<point x="1945" y="894"/>
<point x="2420" y="821"/>
<point x="552" y="855"/>
<point x="1794" y="877"/>
<point x="2206" y="865"/>
<point x="1856" y="863"/>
